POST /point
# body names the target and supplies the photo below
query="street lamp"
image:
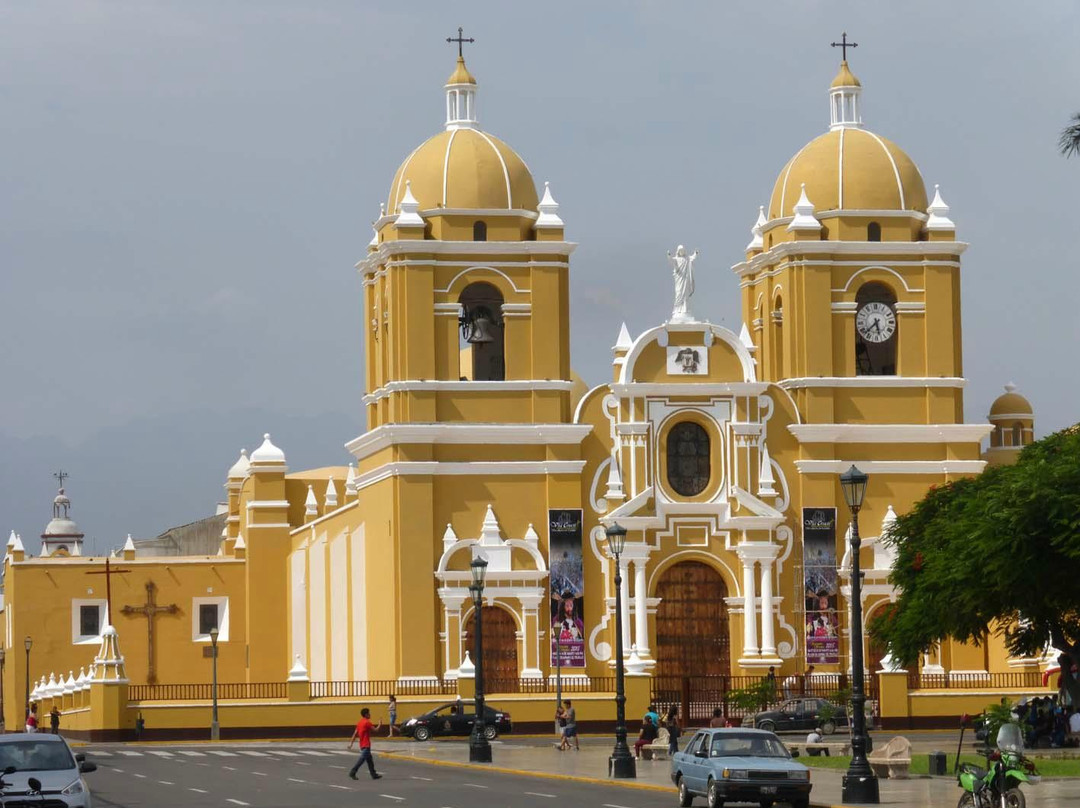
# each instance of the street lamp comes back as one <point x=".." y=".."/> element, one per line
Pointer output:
<point x="28" y="643"/>
<point x="621" y="764"/>
<point x="215" y="727"/>
<point x="860" y="784"/>
<point x="479" y="748"/>
<point x="2" y="655"/>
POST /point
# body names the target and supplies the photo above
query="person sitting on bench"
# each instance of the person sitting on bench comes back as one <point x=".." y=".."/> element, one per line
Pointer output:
<point x="649" y="732"/>
<point x="813" y="738"/>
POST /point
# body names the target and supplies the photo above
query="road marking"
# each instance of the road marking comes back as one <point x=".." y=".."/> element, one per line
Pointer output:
<point x="236" y="802"/>
<point x="301" y="763"/>
<point x="130" y="754"/>
<point x="261" y="774"/>
<point x="295" y="780"/>
<point x="392" y="797"/>
<point x="473" y="785"/>
<point x="141" y="776"/>
<point x="312" y="752"/>
<point x="253" y="753"/>
<point x="102" y="753"/>
<point x="159" y="753"/>
<point x="230" y="768"/>
<point x="198" y="790"/>
<point x="222" y="753"/>
<point x="343" y="788"/>
<point x="610" y="805"/>
<point x="284" y="753"/>
<point x="192" y="754"/>
<point x="538" y="794"/>
<point x="166" y="783"/>
<point x="121" y="771"/>
<point x="414" y="777"/>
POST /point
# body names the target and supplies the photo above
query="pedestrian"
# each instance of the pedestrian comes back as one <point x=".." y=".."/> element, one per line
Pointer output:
<point x="570" y="730"/>
<point x="674" y="730"/>
<point x="789" y="684"/>
<point x="560" y="723"/>
<point x="811" y="740"/>
<point x="653" y="716"/>
<point x="770" y="679"/>
<point x="717" y="718"/>
<point x="393" y="716"/>
<point x="363" y="733"/>
<point x="648" y="734"/>
<point x="54" y="721"/>
<point x="31" y="719"/>
<point x="806" y="683"/>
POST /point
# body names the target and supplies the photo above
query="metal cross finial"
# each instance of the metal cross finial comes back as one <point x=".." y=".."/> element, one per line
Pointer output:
<point x="460" y="40"/>
<point x="61" y="476"/>
<point x="843" y="44"/>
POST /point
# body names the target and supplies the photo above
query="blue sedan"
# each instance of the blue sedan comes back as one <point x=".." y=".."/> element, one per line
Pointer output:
<point x="739" y="765"/>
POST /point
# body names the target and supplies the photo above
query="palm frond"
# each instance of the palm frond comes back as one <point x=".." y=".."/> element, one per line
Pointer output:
<point x="1069" y="142"/>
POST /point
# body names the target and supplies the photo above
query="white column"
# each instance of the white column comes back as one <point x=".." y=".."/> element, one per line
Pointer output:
<point x="768" y="641"/>
<point x="624" y="565"/>
<point x="641" y="609"/>
<point x="750" y="644"/>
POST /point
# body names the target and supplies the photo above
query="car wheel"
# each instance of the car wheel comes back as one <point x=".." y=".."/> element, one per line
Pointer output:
<point x="421" y="734"/>
<point x="686" y="799"/>
<point x="768" y="726"/>
<point x="713" y="795"/>
<point x="491" y="732"/>
<point x="828" y="728"/>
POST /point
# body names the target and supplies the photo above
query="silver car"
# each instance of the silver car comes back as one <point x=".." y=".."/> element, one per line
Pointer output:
<point x="41" y="771"/>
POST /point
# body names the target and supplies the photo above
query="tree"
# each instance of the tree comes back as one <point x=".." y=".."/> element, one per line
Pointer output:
<point x="995" y="553"/>
<point x="1069" y="143"/>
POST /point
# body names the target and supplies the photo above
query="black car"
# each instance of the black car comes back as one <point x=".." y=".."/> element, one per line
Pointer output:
<point x="800" y="714"/>
<point x="456" y="718"/>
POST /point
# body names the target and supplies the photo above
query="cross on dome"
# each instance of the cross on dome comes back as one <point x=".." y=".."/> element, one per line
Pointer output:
<point x="461" y="40"/>
<point x="461" y="90"/>
<point x="843" y="44"/>
<point x="844" y="92"/>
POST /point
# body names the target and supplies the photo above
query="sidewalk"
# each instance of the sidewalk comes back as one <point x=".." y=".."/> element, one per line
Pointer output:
<point x="541" y="758"/>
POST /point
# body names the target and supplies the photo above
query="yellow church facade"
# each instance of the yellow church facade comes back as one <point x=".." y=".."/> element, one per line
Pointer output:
<point x="719" y="452"/>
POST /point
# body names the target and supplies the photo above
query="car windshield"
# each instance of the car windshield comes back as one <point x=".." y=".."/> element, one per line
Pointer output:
<point x="33" y="756"/>
<point x="747" y="746"/>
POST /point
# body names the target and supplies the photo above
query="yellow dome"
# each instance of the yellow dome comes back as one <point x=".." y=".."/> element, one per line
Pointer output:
<point x="461" y="74"/>
<point x="1011" y="403"/>
<point x="845" y="78"/>
<point x="465" y="168"/>
<point x="850" y="168"/>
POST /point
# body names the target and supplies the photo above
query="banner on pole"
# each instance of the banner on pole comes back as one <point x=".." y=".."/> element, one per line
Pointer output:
<point x="820" y="584"/>
<point x="567" y="587"/>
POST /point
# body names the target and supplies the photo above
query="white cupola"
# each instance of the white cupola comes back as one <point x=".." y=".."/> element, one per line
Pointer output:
<point x="461" y="98"/>
<point x="845" y="105"/>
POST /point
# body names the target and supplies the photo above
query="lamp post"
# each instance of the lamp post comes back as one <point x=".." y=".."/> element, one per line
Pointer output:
<point x="28" y="643"/>
<point x="215" y="727"/>
<point x="2" y="655"/>
<point x="621" y="764"/>
<point x="479" y="748"/>
<point x="860" y="784"/>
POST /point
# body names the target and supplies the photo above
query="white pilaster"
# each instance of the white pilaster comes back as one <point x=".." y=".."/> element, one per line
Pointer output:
<point x="750" y="642"/>
<point x="641" y="609"/>
<point x="768" y="641"/>
<point x="624" y="564"/>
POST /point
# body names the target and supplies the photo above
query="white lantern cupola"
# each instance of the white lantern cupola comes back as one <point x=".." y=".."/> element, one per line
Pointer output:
<point x="845" y="104"/>
<point x="461" y="98"/>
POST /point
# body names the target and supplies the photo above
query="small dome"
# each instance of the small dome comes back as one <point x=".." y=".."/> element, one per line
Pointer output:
<point x="850" y="169"/>
<point x="268" y="452"/>
<point x="845" y="78"/>
<point x="241" y="467"/>
<point x="465" y="168"/>
<point x="61" y="529"/>
<point x="1011" y="404"/>
<point x="461" y="74"/>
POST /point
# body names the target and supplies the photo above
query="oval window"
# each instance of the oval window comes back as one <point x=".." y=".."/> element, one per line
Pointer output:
<point x="688" y="466"/>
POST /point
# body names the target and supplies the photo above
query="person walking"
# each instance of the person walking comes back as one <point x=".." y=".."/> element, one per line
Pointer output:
<point x="674" y="730"/>
<point x="570" y="730"/>
<point x="362" y="733"/>
<point x="393" y="716"/>
<point x="31" y="719"/>
<point x="54" y="721"/>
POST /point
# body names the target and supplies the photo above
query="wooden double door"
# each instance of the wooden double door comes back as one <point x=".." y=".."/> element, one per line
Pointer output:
<point x="500" y="647"/>
<point x="692" y="637"/>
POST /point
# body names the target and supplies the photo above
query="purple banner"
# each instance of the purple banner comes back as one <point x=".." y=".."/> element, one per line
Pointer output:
<point x="820" y="583"/>
<point x="567" y="587"/>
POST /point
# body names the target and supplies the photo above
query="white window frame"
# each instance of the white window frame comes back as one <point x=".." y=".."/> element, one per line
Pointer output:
<point x="78" y="638"/>
<point x="223" y="618"/>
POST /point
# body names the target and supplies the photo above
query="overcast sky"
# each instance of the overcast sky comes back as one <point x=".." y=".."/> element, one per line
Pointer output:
<point x="186" y="186"/>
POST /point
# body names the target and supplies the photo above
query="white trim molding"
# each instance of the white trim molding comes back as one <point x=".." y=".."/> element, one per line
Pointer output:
<point x="493" y="468"/>
<point x="465" y="433"/>
<point x="77" y="637"/>
<point x="872" y="381"/>
<point x="387" y="249"/>
<point x="892" y="466"/>
<point x="447" y="386"/>
<point x="222" y="604"/>
<point x="890" y="433"/>
<point x="786" y="249"/>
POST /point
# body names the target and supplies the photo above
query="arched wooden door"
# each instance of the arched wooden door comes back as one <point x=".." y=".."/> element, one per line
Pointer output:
<point x="692" y="622"/>
<point x="500" y="649"/>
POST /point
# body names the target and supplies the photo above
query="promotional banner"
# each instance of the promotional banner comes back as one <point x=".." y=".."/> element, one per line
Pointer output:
<point x="567" y="587"/>
<point x="820" y="583"/>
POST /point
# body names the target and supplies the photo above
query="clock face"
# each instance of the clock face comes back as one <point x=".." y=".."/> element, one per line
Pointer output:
<point x="876" y="322"/>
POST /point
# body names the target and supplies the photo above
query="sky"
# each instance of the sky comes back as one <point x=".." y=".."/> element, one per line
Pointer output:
<point x="186" y="186"/>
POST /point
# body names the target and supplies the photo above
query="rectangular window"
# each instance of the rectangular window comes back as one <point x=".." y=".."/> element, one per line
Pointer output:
<point x="208" y="617"/>
<point x="89" y="620"/>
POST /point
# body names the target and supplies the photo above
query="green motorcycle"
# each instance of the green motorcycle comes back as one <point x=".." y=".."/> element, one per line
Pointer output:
<point x="998" y="785"/>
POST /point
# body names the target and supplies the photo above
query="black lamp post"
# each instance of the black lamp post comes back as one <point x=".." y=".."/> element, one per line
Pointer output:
<point x="860" y="783"/>
<point x="28" y="643"/>
<point x="2" y="655"/>
<point x="215" y="727"/>
<point x="621" y="764"/>
<point x="479" y="748"/>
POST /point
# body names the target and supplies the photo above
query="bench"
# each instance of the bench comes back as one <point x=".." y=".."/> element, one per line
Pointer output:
<point x="832" y="747"/>
<point x="657" y="750"/>
<point x="893" y="760"/>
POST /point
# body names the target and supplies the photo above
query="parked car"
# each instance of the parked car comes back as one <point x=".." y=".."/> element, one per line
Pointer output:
<point x="800" y="714"/>
<point x="739" y="765"/>
<point x="41" y="769"/>
<point x="457" y="718"/>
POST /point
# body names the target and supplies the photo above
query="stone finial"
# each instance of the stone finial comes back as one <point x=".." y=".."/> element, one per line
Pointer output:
<point x="449" y="537"/>
<point x="757" y="241"/>
<point x="298" y="673"/>
<point x="109" y="662"/>
<point x="311" y="504"/>
<point x="614" y="491"/>
<point x="939" y="214"/>
<point x="267" y="454"/>
<point x="330" y="500"/>
<point x="766" y="481"/>
<point x="490" y="530"/>
<point x="410" y="209"/>
<point x="129" y="548"/>
<point x="623" y="343"/>
<point x="549" y="211"/>
<point x="467" y="670"/>
<point x="804" y="220"/>
<point x="350" y="481"/>
<point x="241" y="467"/>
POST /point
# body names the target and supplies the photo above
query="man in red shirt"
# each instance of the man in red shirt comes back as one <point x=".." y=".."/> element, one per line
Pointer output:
<point x="363" y="731"/>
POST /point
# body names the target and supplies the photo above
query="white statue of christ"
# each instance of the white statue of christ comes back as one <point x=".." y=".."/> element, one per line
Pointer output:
<point x="682" y="270"/>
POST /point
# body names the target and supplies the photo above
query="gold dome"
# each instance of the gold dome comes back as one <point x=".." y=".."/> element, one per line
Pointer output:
<point x="461" y="74"/>
<point x="850" y="168"/>
<point x="465" y="168"/>
<point x="845" y="78"/>
<point x="1011" y="403"/>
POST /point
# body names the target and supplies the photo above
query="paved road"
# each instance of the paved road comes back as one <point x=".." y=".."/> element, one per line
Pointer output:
<point x="286" y="776"/>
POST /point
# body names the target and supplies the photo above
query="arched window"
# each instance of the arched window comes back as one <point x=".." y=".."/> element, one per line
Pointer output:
<point x="479" y="231"/>
<point x="1017" y="434"/>
<point x="688" y="461"/>
<point x="481" y="352"/>
<point x="876" y="330"/>
<point x="778" y="337"/>
<point x="873" y="232"/>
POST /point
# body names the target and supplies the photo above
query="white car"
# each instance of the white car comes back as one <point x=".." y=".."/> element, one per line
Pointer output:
<point x="38" y="769"/>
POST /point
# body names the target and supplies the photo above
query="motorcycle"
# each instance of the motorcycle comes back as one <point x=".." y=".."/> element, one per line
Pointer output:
<point x="998" y="785"/>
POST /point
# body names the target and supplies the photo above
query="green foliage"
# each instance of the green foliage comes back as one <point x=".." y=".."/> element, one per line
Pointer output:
<point x="995" y="717"/>
<point x="830" y="708"/>
<point x="999" y="550"/>
<point x="751" y="699"/>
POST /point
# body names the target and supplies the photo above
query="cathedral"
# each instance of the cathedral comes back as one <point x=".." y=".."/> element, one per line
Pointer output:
<point x="718" y="451"/>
